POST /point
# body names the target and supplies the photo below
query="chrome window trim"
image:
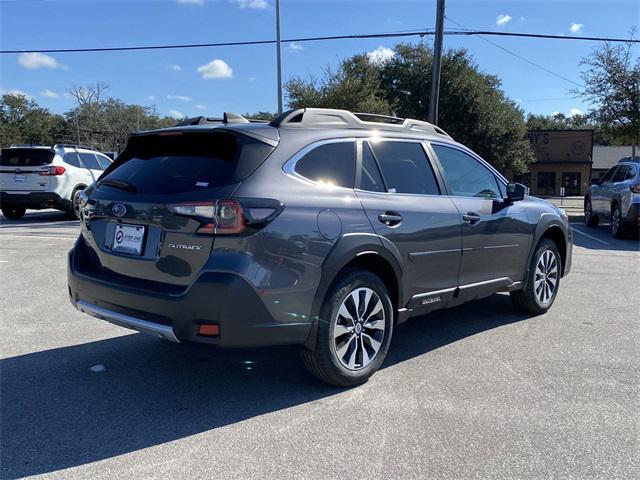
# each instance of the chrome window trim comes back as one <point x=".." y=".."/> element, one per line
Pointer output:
<point x="289" y="167"/>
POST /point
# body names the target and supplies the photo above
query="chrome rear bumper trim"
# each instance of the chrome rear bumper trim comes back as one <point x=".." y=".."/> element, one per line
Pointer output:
<point x="162" y="331"/>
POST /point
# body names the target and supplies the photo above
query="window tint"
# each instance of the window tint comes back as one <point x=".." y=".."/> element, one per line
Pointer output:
<point x="103" y="161"/>
<point x="333" y="163"/>
<point x="26" y="157"/>
<point x="466" y="176"/>
<point x="607" y="176"/>
<point x="89" y="160"/>
<point x="72" y="158"/>
<point x="156" y="164"/>
<point x="405" y="168"/>
<point x="621" y="173"/>
<point x="632" y="172"/>
<point x="371" y="179"/>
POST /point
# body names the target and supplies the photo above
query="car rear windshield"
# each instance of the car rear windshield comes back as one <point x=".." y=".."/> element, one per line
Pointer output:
<point x="177" y="162"/>
<point x="26" y="157"/>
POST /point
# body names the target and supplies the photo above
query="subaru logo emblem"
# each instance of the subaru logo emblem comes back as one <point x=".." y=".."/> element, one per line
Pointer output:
<point x="119" y="210"/>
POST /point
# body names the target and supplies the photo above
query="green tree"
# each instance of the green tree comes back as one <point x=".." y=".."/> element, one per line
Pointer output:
<point x="612" y="87"/>
<point x="22" y="120"/>
<point x="473" y="108"/>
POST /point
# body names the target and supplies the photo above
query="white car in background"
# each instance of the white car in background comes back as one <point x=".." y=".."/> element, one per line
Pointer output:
<point x="37" y="177"/>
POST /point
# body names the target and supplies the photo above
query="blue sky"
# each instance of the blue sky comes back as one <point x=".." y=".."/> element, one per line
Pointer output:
<point x="242" y="79"/>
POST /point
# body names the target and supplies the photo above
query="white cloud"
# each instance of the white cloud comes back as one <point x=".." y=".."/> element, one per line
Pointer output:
<point x="503" y="19"/>
<point x="380" y="55"/>
<point x="215" y="69"/>
<point x="554" y="113"/>
<point x="176" y="68"/>
<point x="50" y="94"/>
<point x="182" y="98"/>
<point x="191" y="2"/>
<point x="151" y="98"/>
<point x="37" y="60"/>
<point x="201" y="107"/>
<point x="252" y="79"/>
<point x="254" y="4"/>
<point x="177" y="114"/>
<point x="576" y="27"/>
<point x="16" y="92"/>
<point x="295" y="47"/>
<point x="575" y="111"/>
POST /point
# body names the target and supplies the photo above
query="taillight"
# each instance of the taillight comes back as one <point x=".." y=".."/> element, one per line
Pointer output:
<point x="52" y="171"/>
<point x="229" y="217"/>
<point x="635" y="188"/>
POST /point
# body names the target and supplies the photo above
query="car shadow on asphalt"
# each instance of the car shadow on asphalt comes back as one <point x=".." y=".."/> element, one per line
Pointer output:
<point x="37" y="219"/>
<point x="600" y="238"/>
<point x="55" y="413"/>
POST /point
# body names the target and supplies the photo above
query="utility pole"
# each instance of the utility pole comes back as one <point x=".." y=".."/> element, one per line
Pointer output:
<point x="436" y="65"/>
<point x="279" y="57"/>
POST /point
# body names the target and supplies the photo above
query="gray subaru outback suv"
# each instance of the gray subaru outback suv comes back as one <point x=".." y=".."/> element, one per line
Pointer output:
<point x="324" y="229"/>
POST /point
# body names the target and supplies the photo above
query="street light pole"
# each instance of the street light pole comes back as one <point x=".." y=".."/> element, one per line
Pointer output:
<point x="436" y="65"/>
<point x="279" y="57"/>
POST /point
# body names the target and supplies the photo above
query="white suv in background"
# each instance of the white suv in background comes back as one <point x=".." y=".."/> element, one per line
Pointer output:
<point x="37" y="177"/>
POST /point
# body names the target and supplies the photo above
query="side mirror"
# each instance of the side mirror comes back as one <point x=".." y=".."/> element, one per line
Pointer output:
<point x="516" y="192"/>
<point x="595" y="181"/>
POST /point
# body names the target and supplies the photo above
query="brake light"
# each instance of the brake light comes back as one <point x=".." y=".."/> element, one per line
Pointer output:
<point x="229" y="217"/>
<point x="52" y="171"/>
<point x="635" y="188"/>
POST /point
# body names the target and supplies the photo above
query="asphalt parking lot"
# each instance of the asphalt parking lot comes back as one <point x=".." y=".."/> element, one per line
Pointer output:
<point x="475" y="392"/>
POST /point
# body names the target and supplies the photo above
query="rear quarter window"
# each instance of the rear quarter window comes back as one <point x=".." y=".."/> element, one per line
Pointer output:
<point x="331" y="164"/>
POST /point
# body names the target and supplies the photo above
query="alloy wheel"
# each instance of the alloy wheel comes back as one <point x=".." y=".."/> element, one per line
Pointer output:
<point x="359" y="329"/>
<point x="546" y="277"/>
<point x="615" y="220"/>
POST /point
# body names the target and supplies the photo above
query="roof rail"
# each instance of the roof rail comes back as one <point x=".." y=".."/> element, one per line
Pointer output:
<point x="635" y="159"/>
<point x="334" y="118"/>
<point x="73" y="145"/>
<point x="227" y="117"/>
<point x="27" y="145"/>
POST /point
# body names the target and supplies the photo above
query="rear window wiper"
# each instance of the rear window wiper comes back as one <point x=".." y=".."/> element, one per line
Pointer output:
<point x="121" y="184"/>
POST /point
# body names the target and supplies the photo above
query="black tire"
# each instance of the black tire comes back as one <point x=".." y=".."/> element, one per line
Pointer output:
<point x="14" y="213"/>
<point x="617" y="223"/>
<point x="324" y="362"/>
<point x="590" y="219"/>
<point x="528" y="299"/>
<point x="73" y="212"/>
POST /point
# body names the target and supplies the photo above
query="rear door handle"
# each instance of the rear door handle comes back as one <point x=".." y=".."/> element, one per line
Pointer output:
<point x="471" y="218"/>
<point x="390" y="219"/>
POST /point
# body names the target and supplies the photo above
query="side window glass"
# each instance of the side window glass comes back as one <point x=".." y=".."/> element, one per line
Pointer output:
<point x="103" y="161"/>
<point x="609" y="175"/>
<point x="371" y="179"/>
<point x="332" y="164"/>
<point x="72" y="159"/>
<point x="631" y="173"/>
<point x="89" y="160"/>
<point x="621" y="173"/>
<point x="405" y="168"/>
<point x="466" y="176"/>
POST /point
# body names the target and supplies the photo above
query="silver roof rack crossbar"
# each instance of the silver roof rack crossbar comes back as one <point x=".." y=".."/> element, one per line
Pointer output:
<point x="335" y="118"/>
<point x="227" y="118"/>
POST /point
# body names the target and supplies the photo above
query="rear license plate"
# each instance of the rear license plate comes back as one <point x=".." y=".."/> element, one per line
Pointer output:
<point x="128" y="239"/>
<point x="18" y="179"/>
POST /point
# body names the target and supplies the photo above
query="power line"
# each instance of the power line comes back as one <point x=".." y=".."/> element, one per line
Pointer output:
<point x="415" y="33"/>
<point x="530" y="62"/>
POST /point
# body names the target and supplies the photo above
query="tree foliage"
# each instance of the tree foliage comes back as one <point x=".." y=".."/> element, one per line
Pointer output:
<point x="612" y="87"/>
<point x="22" y="120"/>
<point x="473" y="108"/>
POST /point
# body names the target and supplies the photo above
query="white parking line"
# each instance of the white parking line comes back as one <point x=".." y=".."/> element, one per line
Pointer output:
<point x="589" y="236"/>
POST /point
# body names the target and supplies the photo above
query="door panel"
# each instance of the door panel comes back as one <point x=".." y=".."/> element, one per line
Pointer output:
<point x="427" y="237"/>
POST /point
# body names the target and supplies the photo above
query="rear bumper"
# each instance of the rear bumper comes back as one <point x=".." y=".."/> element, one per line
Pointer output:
<point x="33" y="200"/>
<point x="220" y="298"/>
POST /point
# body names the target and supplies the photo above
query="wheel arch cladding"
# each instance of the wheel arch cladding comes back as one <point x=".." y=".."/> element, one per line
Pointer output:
<point x="350" y="252"/>
<point x="555" y="233"/>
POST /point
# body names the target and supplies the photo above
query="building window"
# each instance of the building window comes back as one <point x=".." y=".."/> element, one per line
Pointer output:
<point x="571" y="183"/>
<point x="523" y="178"/>
<point x="546" y="183"/>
